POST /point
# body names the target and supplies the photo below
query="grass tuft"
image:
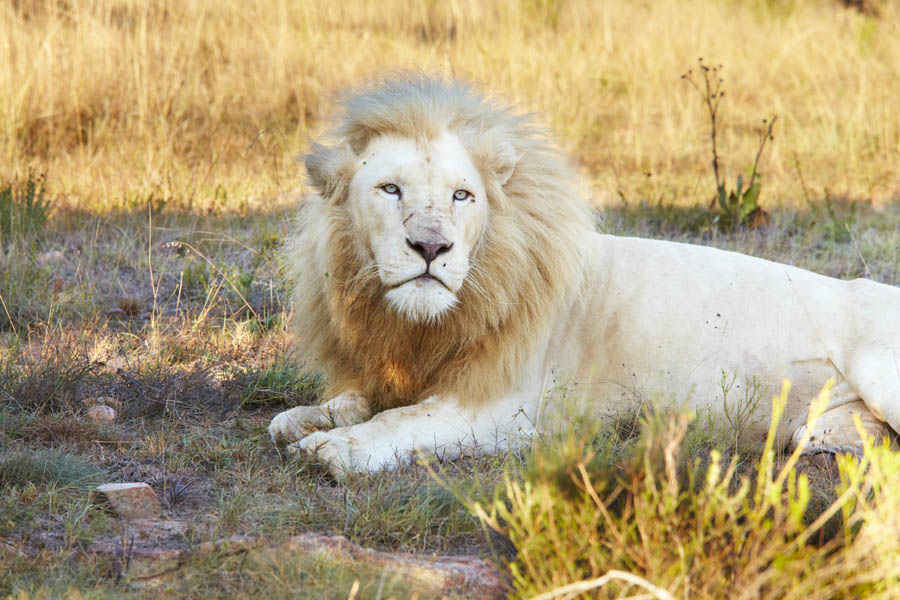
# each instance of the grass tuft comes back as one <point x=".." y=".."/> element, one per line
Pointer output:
<point x="47" y="467"/>
<point x="279" y="383"/>
<point x="679" y="526"/>
<point x="23" y="208"/>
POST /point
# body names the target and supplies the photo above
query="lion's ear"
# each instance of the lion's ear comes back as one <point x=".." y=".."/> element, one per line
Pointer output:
<point x="329" y="169"/>
<point x="505" y="160"/>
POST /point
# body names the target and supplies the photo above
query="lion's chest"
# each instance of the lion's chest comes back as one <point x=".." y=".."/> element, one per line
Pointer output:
<point x="396" y="363"/>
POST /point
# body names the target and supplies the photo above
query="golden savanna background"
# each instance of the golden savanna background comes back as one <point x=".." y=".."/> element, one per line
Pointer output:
<point x="206" y="104"/>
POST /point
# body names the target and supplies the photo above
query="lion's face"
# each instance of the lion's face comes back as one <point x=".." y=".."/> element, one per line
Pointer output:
<point x="419" y="208"/>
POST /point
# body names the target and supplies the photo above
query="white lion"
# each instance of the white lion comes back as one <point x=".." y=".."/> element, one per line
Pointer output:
<point x="448" y="273"/>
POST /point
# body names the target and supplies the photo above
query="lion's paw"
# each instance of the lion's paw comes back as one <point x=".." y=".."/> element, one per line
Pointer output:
<point x="342" y="453"/>
<point x="291" y="425"/>
<point x="335" y="451"/>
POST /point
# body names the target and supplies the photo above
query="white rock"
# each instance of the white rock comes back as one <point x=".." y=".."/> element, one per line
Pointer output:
<point x="128" y="500"/>
<point x="102" y="413"/>
<point x="51" y="256"/>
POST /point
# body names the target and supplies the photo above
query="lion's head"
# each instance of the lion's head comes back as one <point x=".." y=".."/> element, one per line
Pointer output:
<point x="420" y="209"/>
<point x="445" y="233"/>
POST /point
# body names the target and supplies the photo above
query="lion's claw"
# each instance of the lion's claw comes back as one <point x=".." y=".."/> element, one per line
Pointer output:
<point x="330" y="448"/>
<point x="292" y="425"/>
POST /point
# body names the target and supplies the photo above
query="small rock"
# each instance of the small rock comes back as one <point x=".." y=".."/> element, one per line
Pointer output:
<point x="51" y="256"/>
<point x="102" y="413"/>
<point x="462" y="576"/>
<point x="107" y="400"/>
<point x="116" y="363"/>
<point x="128" y="500"/>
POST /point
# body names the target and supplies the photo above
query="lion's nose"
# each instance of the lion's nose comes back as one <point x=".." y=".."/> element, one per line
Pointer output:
<point x="429" y="250"/>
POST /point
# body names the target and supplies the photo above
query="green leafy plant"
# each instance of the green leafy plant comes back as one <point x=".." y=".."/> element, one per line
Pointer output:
<point x="739" y="411"/>
<point x="195" y="278"/>
<point x="738" y="207"/>
<point x="240" y="284"/>
<point x="23" y="207"/>
<point x="837" y="222"/>
<point x="836" y="219"/>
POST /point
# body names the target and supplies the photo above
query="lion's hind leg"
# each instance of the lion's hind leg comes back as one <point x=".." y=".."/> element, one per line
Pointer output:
<point x="835" y="431"/>
<point x="874" y="373"/>
<point x="348" y="408"/>
<point x="872" y="392"/>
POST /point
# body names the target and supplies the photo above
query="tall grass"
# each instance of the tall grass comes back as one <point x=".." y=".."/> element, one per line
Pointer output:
<point x="205" y="103"/>
<point x="670" y="525"/>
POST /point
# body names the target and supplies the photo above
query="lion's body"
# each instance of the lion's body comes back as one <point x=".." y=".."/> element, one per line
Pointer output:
<point x="448" y="276"/>
<point x="673" y="318"/>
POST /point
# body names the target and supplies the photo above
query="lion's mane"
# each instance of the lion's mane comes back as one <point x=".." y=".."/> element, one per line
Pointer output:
<point x="525" y="270"/>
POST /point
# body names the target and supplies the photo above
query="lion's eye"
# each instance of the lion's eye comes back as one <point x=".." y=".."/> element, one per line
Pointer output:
<point x="390" y="188"/>
<point x="461" y="195"/>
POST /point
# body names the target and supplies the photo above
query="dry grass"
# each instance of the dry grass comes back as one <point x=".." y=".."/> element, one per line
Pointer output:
<point x="193" y="402"/>
<point x="204" y="104"/>
<point x="679" y="525"/>
<point x="167" y="131"/>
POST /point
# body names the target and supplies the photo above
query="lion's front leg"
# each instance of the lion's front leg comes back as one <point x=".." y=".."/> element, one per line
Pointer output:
<point x="344" y="409"/>
<point x="440" y="426"/>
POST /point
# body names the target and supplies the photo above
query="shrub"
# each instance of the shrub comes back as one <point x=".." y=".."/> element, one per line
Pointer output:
<point x="23" y="283"/>
<point x="23" y="208"/>
<point x="28" y="291"/>
<point x="738" y="207"/>
<point x="700" y="529"/>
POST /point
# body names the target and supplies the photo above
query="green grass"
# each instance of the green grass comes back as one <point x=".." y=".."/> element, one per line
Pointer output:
<point x="197" y="366"/>
<point x="47" y="467"/>
<point x="277" y="383"/>
<point x="868" y="247"/>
